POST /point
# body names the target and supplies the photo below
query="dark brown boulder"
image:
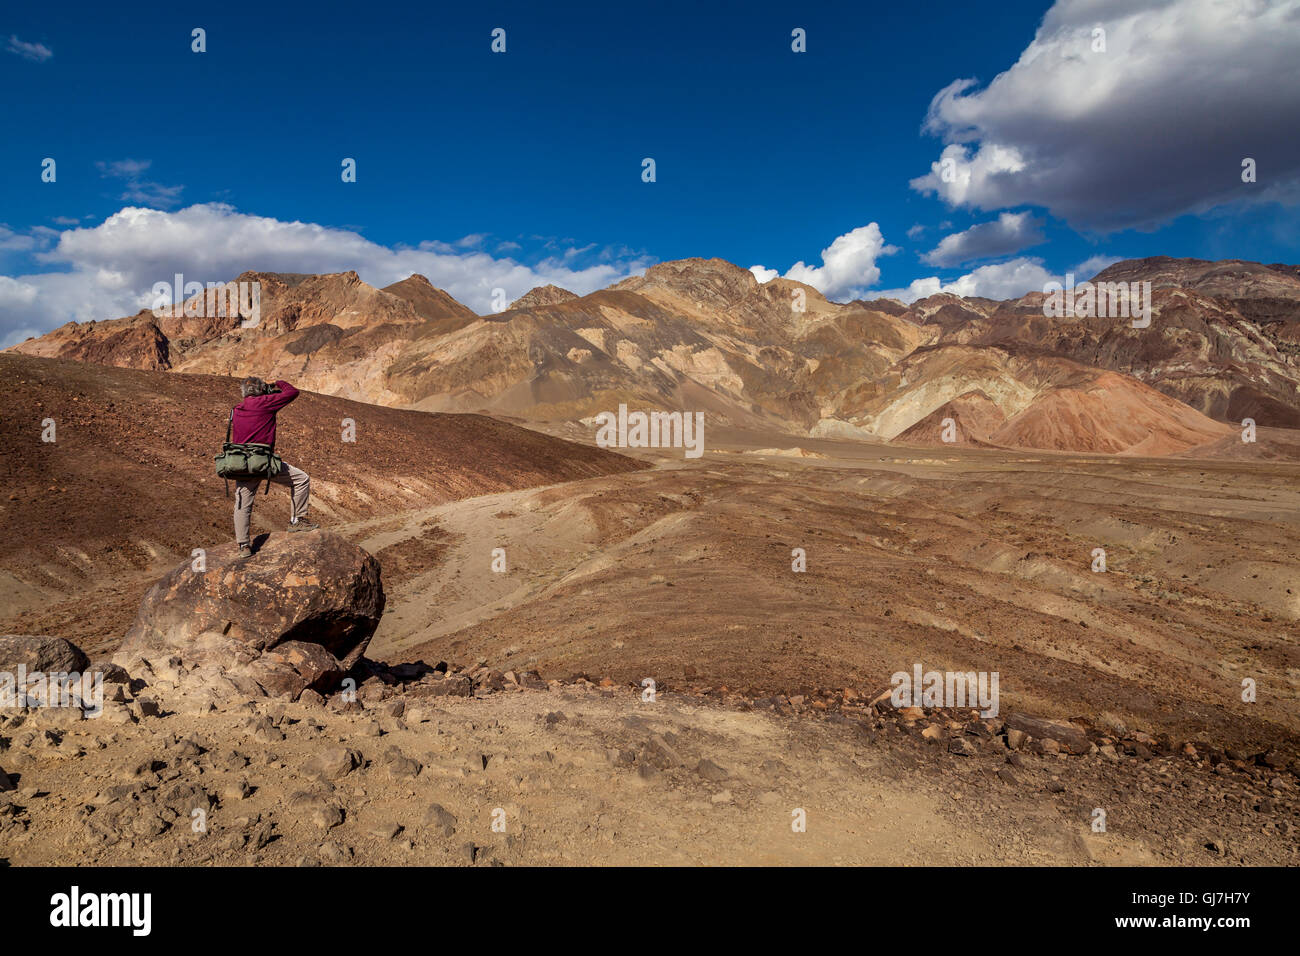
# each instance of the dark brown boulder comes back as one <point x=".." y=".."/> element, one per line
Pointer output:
<point x="48" y="655"/>
<point x="298" y="614"/>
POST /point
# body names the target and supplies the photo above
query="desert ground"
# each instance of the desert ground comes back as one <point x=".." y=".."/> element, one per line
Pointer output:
<point x="768" y="680"/>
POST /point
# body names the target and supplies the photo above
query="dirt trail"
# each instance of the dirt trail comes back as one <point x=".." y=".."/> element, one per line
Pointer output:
<point x="462" y="589"/>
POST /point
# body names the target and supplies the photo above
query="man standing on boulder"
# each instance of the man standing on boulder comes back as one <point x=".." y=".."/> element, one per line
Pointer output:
<point x="253" y="421"/>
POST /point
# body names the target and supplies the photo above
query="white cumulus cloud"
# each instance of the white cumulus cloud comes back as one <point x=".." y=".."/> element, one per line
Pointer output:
<point x="999" y="280"/>
<point x="109" y="270"/>
<point x="1128" y="113"/>
<point x="848" y="265"/>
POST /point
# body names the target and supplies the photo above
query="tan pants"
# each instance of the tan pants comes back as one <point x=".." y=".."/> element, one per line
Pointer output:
<point x="295" y="479"/>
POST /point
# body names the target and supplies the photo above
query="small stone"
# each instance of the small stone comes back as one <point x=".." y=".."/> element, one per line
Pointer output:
<point x="441" y="819"/>
<point x="327" y="816"/>
<point x="332" y="852"/>
<point x="266" y="732"/>
<point x="962" y="747"/>
<point x="661" y="753"/>
<point x="117" y="712"/>
<point x="332" y="763"/>
<point x="1275" y="759"/>
<point x="239" y="790"/>
<point x="114" y="674"/>
<point x="711" y="771"/>
<point x="401" y="767"/>
<point x="262" y="836"/>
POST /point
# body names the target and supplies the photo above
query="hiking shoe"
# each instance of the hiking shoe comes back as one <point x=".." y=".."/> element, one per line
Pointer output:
<point x="302" y="524"/>
<point x="245" y="551"/>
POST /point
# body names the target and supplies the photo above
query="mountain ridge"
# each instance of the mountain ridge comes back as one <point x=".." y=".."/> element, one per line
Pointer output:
<point x="706" y="334"/>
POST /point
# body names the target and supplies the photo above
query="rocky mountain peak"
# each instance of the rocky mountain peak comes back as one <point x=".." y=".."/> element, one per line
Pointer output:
<point x="710" y="283"/>
<point x="543" y="295"/>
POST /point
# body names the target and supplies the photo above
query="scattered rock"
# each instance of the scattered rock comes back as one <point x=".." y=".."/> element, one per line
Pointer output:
<point x="1067" y="736"/>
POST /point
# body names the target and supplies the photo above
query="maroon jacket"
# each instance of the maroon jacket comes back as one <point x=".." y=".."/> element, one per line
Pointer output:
<point x="254" y="418"/>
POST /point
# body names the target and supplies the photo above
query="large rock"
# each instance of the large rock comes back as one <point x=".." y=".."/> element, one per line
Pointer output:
<point x="298" y="614"/>
<point x="36" y="671"/>
<point x="48" y="655"/>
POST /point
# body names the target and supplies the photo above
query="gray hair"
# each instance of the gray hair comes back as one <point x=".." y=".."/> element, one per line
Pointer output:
<point x="253" y="386"/>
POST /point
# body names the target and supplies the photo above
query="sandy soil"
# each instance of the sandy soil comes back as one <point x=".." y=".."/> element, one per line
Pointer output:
<point x="580" y="774"/>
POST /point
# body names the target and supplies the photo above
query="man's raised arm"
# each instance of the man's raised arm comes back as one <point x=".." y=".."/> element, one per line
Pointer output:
<point x="274" y="401"/>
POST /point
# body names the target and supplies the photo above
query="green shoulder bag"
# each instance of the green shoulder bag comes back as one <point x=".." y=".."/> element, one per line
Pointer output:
<point x="247" y="462"/>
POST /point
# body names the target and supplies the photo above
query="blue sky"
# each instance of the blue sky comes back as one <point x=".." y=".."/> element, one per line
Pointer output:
<point x="487" y="170"/>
